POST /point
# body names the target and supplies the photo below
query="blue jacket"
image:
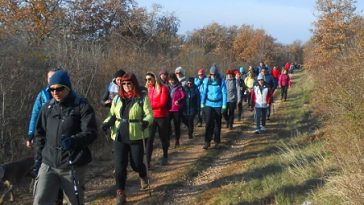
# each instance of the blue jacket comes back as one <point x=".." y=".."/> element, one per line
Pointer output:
<point x="192" y="105"/>
<point x="43" y="97"/>
<point x="214" y="94"/>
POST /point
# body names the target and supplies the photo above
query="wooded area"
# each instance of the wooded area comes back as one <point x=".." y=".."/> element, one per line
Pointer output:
<point x="91" y="39"/>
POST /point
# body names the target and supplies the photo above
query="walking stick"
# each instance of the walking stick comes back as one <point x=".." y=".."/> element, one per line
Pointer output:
<point x="74" y="180"/>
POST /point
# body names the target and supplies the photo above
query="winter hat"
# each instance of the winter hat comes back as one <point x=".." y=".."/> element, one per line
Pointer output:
<point x="180" y="70"/>
<point x="190" y="79"/>
<point x="2" y="172"/>
<point x="260" y="77"/>
<point x="213" y="69"/>
<point x="241" y="69"/>
<point x="201" y="72"/>
<point x="119" y="73"/>
<point x="163" y="71"/>
<point x="60" y="77"/>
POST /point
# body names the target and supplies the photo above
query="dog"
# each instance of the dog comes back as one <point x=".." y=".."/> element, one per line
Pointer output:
<point x="12" y="174"/>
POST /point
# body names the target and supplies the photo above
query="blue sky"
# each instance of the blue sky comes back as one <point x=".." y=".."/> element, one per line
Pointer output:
<point x="284" y="20"/>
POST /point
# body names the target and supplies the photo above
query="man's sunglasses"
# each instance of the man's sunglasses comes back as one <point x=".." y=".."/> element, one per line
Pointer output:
<point x="59" y="89"/>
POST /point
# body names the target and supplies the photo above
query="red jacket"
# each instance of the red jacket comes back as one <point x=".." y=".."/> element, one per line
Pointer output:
<point x="284" y="80"/>
<point x="276" y="73"/>
<point x="159" y="101"/>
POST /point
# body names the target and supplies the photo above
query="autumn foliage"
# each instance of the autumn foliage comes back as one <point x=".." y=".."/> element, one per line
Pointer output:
<point x="334" y="57"/>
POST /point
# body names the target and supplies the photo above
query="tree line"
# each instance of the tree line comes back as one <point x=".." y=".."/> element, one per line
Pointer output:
<point x="91" y="39"/>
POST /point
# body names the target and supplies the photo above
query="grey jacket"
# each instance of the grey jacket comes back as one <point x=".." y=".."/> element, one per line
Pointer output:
<point x="232" y="88"/>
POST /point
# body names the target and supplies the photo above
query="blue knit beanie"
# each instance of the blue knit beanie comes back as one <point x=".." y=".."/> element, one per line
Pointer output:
<point x="60" y="77"/>
<point x="241" y="69"/>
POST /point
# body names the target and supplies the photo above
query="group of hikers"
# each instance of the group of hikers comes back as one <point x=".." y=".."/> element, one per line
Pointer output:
<point x="63" y="124"/>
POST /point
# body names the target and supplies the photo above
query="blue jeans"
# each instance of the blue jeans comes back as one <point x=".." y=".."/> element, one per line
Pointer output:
<point x="260" y="114"/>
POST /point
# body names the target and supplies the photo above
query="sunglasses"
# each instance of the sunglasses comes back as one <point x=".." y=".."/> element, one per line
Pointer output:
<point x="148" y="79"/>
<point x="178" y="73"/>
<point x="59" y="89"/>
<point x="127" y="84"/>
<point x="212" y="74"/>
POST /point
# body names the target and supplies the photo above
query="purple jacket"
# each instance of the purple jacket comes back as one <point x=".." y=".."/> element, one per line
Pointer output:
<point x="177" y="94"/>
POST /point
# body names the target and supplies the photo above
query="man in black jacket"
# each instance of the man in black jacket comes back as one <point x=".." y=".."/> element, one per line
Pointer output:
<point x="65" y="128"/>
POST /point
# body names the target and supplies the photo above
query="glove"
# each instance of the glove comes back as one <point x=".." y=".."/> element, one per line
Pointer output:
<point x="68" y="143"/>
<point x="105" y="127"/>
<point x="144" y="124"/>
<point x="35" y="168"/>
<point x="223" y="108"/>
<point x="202" y="105"/>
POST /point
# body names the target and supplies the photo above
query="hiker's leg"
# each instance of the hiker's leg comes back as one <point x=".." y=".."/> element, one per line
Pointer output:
<point x="121" y="151"/>
<point x="210" y="123"/>
<point x="164" y="134"/>
<point x="217" y="119"/>
<point x="264" y="115"/>
<point x="150" y="141"/>
<point x="46" y="186"/>
<point x="136" y="159"/>
<point x="231" y="113"/>
<point x="257" y="118"/>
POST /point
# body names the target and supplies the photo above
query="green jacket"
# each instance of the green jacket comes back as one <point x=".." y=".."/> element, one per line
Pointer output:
<point x="135" y="113"/>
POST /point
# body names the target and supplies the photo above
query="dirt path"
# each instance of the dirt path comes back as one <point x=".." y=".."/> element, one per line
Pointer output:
<point x="192" y="174"/>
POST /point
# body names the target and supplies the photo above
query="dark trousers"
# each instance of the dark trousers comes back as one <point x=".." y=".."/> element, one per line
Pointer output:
<point x="122" y="152"/>
<point x="188" y="120"/>
<point x="229" y="113"/>
<point x="240" y="109"/>
<point x="213" y="124"/>
<point x="201" y="116"/>
<point x="177" y="119"/>
<point x="284" y="91"/>
<point x="249" y="97"/>
<point x="163" y="126"/>
<point x="260" y="115"/>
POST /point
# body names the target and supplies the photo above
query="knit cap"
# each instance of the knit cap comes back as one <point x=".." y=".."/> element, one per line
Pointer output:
<point x="213" y="69"/>
<point x="180" y="70"/>
<point x="163" y="71"/>
<point x="60" y="77"/>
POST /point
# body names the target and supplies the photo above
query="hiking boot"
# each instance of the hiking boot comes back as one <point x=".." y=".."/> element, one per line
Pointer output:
<point x="199" y="125"/>
<point x="206" y="145"/>
<point x="262" y="128"/>
<point x="217" y="145"/>
<point x="190" y="136"/>
<point x="257" y="131"/>
<point x="120" y="197"/>
<point x="164" y="161"/>
<point x="144" y="183"/>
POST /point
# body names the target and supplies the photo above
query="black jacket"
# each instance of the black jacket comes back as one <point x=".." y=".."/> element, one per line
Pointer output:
<point x="72" y="117"/>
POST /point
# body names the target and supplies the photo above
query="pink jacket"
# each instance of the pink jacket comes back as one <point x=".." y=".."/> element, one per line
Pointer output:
<point x="177" y="94"/>
<point x="284" y="80"/>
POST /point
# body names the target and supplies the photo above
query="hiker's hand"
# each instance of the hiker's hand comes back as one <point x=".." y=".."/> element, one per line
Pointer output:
<point x="68" y="143"/>
<point x="144" y="124"/>
<point x="29" y="141"/>
<point x="105" y="126"/>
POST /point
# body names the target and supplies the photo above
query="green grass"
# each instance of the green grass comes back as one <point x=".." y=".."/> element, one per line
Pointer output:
<point x="292" y="173"/>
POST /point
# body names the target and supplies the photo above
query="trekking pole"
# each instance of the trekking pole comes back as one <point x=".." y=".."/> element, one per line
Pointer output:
<point x="74" y="180"/>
